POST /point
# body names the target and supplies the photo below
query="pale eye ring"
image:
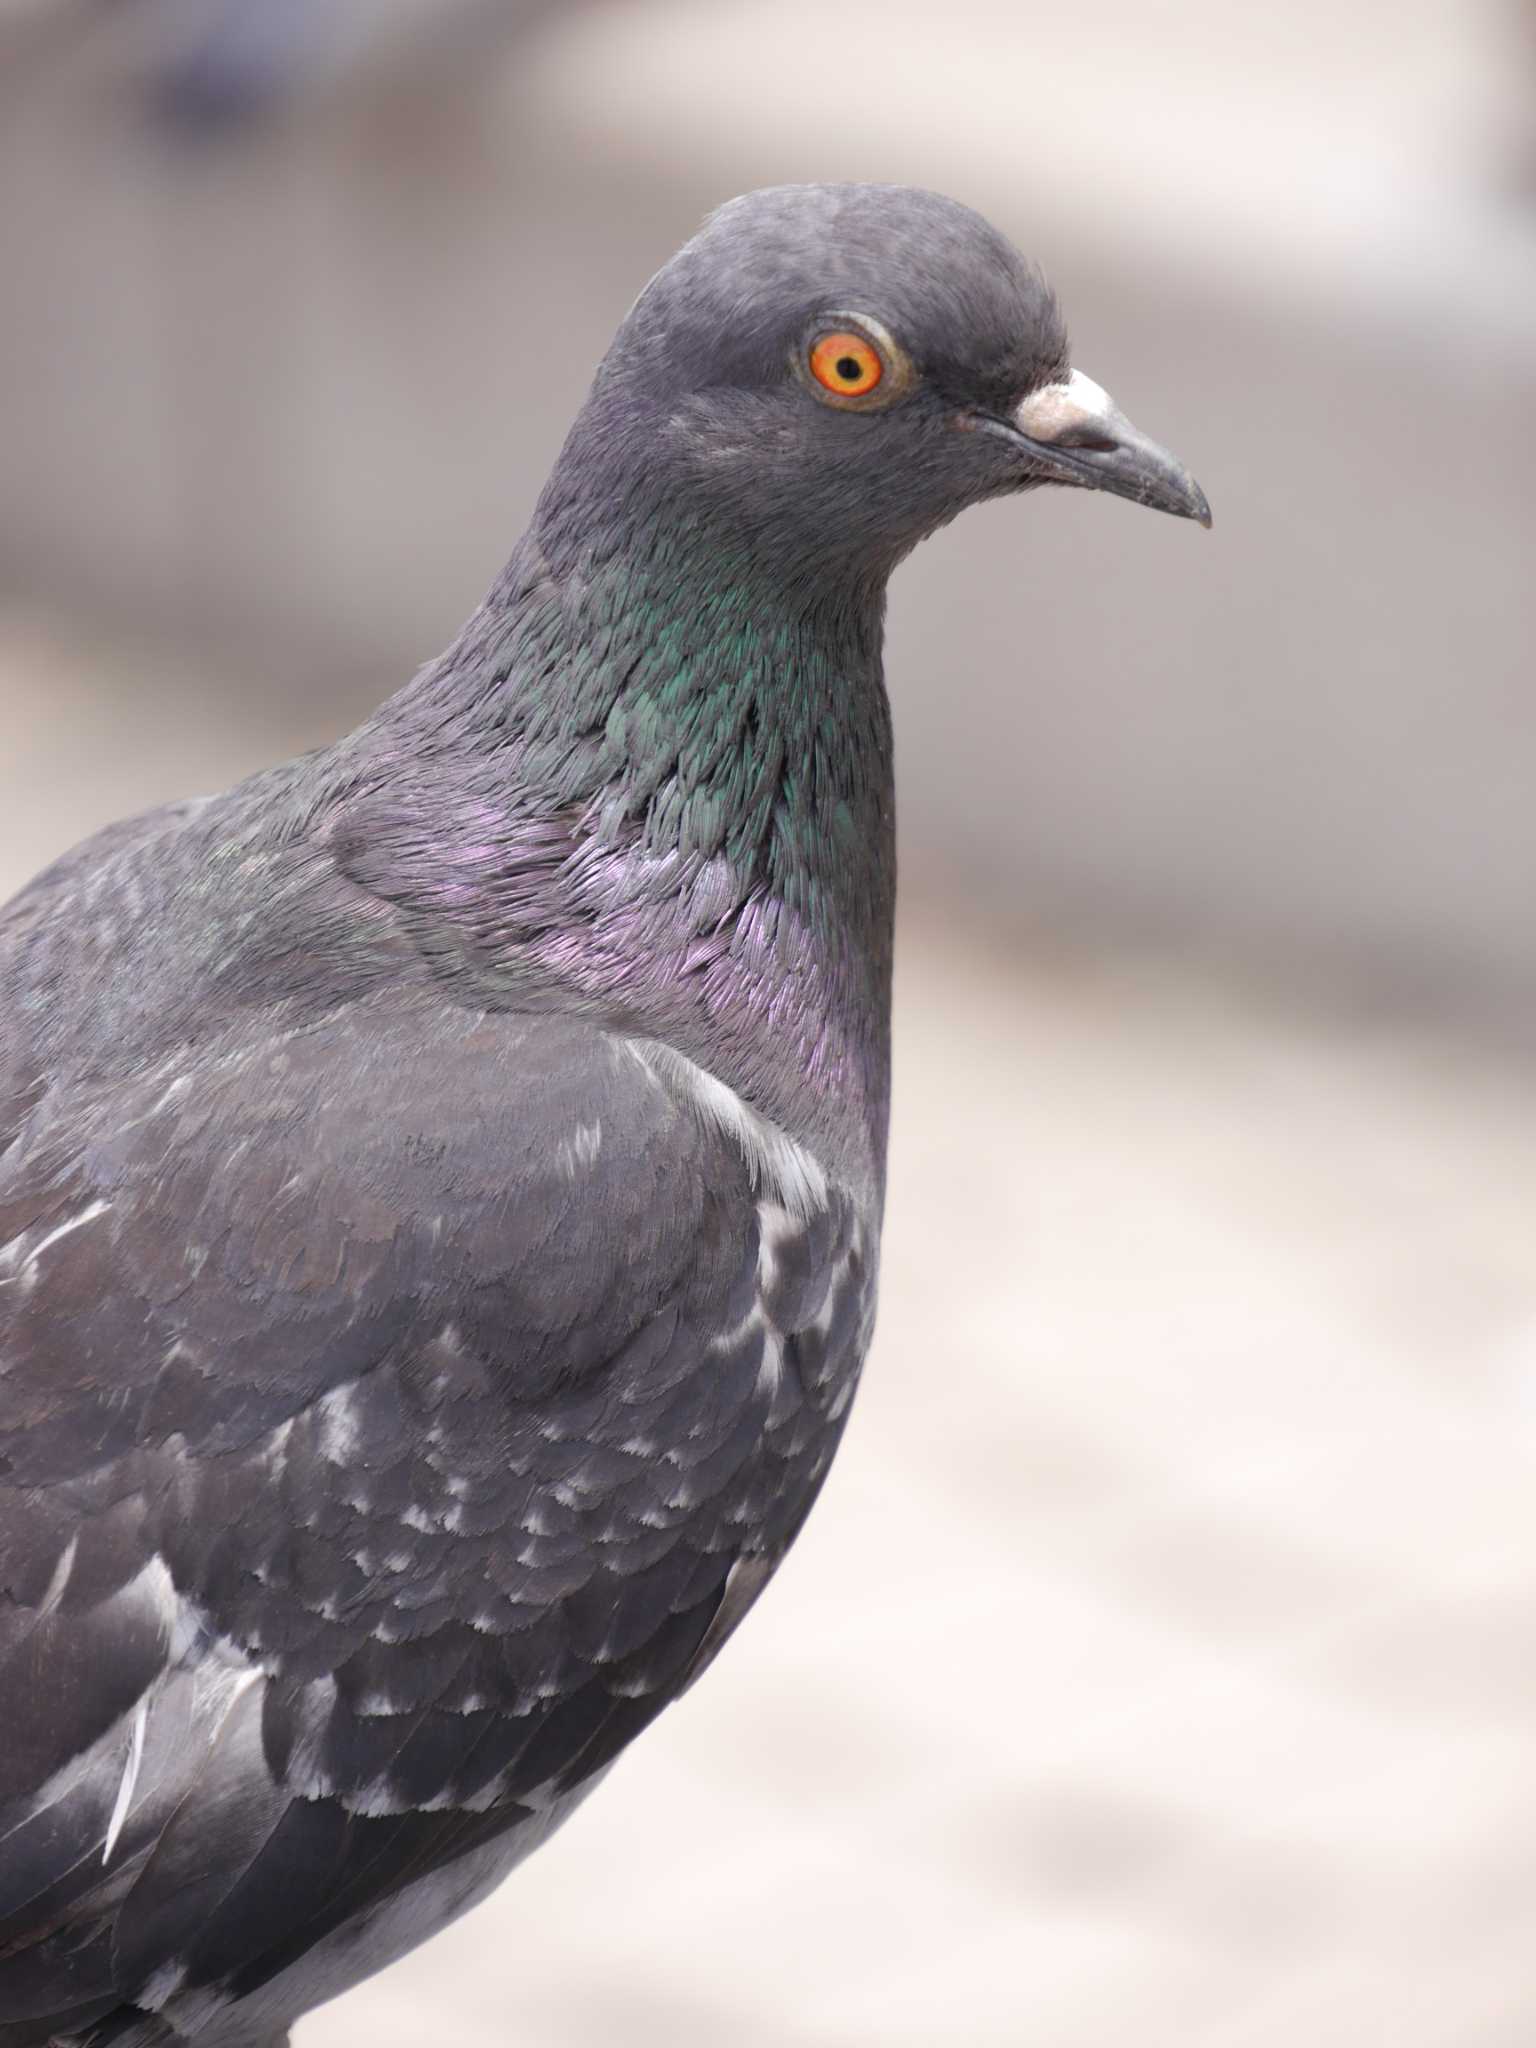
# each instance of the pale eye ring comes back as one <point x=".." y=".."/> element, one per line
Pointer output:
<point x="850" y="361"/>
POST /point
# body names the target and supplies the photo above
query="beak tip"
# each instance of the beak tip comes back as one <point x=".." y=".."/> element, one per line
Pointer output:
<point x="1193" y="503"/>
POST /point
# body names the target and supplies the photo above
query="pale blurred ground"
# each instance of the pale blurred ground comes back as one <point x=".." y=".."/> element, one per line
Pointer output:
<point x="1160" y="1666"/>
<point x="1159" y="1670"/>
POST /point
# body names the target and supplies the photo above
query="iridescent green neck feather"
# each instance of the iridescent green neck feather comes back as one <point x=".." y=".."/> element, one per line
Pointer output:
<point x="712" y="736"/>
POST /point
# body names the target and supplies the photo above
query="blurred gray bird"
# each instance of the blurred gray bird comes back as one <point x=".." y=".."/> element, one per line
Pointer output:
<point x="217" y="65"/>
<point x="441" y="1178"/>
<point x="210" y="68"/>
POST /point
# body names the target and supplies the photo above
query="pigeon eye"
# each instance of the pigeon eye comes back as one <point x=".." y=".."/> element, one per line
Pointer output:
<point x="846" y="364"/>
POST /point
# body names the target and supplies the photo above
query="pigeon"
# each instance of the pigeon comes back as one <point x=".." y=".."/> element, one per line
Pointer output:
<point x="441" y="1177"/>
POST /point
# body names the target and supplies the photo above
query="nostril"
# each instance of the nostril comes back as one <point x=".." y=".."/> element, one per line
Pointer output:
<point x="1092" y="444"/>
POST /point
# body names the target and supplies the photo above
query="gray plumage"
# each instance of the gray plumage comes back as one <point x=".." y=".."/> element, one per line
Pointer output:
<point x="440" y="1179"/>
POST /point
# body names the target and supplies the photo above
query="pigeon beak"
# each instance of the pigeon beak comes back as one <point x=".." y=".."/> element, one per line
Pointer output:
<point x="1076" y="434"/>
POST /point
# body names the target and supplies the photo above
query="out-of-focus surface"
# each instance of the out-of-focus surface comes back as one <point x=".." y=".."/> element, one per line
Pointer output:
<point x="1160" y="1667"/>
<point x="300" y="380"/>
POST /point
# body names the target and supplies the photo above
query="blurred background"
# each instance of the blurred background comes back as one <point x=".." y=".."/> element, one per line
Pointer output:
<point x="1160" y="1667"/>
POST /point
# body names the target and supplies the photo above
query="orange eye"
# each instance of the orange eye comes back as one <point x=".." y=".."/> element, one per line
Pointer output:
<point x="846" y="365"/>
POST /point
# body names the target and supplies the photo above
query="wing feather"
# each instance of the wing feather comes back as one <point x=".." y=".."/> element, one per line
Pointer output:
<point x="373" y="1464"/>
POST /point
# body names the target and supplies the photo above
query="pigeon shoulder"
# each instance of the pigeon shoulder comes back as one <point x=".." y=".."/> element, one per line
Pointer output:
<point x="77" y="876"/>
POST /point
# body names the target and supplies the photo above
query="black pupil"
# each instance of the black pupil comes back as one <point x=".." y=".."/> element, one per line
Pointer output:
<point x="850" y="369"/>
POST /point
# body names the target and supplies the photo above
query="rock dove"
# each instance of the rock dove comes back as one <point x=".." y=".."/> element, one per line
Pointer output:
<point x="441" y="1178"/>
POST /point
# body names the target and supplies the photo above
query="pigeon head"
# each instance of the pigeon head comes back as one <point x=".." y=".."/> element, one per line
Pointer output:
<point x="827" y="373"/>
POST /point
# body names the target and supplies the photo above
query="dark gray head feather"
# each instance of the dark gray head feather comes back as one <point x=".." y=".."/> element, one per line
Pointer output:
<point x="699" y="390"/>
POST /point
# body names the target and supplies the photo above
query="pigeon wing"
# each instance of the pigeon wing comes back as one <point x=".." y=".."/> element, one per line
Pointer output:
<point x="393" y="1412"/>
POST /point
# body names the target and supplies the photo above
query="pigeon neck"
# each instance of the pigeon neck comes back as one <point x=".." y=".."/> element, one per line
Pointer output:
<point x="717" y="740"/>
<point x="718" y="704"/>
